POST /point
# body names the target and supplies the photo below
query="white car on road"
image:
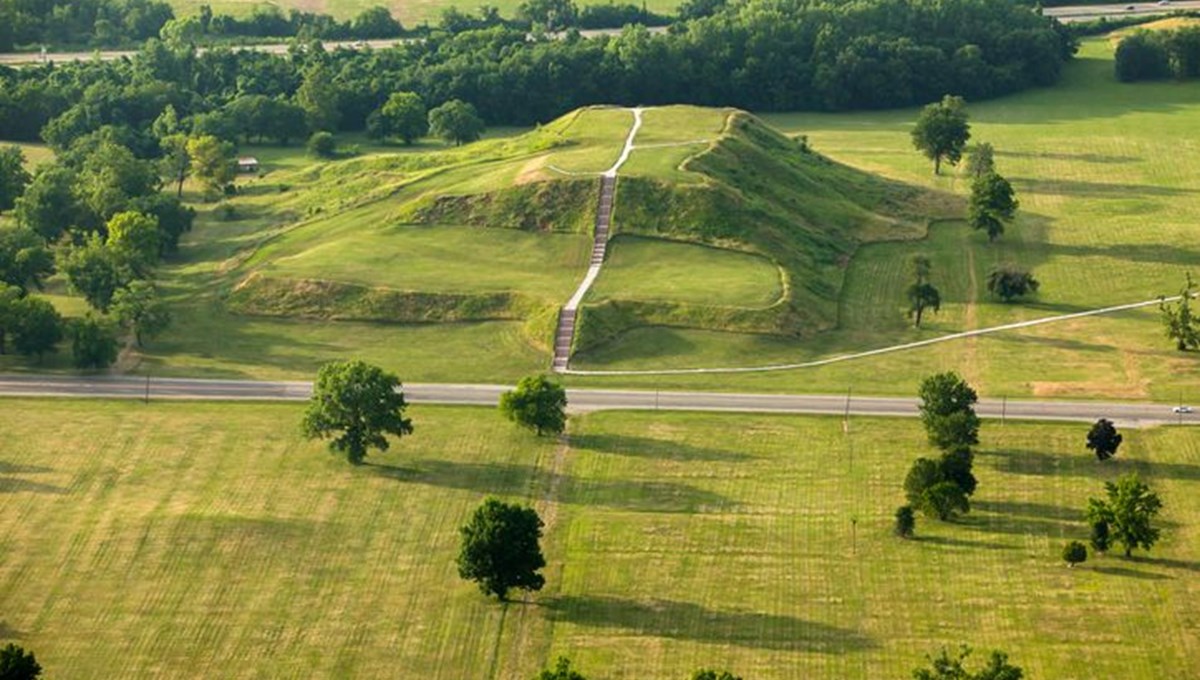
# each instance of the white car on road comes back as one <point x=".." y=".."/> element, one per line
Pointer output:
<point x="1181" y="409"/>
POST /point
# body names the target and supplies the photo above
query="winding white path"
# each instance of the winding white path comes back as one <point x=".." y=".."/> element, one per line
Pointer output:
<point x="564" y="332"/>
<point x="883" y="350"/>
<point x="594" y="270"/>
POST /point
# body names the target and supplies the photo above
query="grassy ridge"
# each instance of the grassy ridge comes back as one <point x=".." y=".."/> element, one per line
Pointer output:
<point x="199" y="540"/>
<point x="754" y="188"/>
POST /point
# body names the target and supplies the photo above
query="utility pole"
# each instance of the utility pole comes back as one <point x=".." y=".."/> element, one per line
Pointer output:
<point x="846" y="414"/>
<point x="1003" y="408"/>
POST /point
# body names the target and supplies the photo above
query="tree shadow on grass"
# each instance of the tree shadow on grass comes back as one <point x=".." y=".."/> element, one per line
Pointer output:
<point x="1083" y="157"/>
<point x="16" y="485"/>
<point x="689" y="621"/>
<point x="647" y="447"/>
<point x="7" y="632"/>
<point x="1126" y="572"/>
<point x="1084" y="189"/>
<point x="950" y="542"/>
<point x="1035" y="519"/>
<point x="19" y="469"/>
<point x="1026" y="462"/>
<point x="509" y="479"/>
<point x="1186" y="565"/>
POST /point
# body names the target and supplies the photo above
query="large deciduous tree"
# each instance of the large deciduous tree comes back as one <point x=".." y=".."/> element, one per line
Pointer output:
<point x="403" y="115"/>
<point x="140" y="310"/>
<point x="981" y="160"/>
<point x="93" y="343"/>
<point x="942" y="131"/>
<point x="25" y="261"/>
<point x="51" y="203"/>
<point x="992" y="204"/>
<point x="1128" y="511"/>
<point x="922" y="294"/>
<point x="212" y="162"/>
<point x="318" y="96"/>
<point x="1181" y="325"/>
<point x="93" y="271"/>
<point x="1008" y="283"/>
<point x="562" y="670"/>
<point x="948" y="411"/>
<point x="18" y="664"/>
<point x="134" y="240"/>
<point x="13" y="176"/>
<point x="500" y="549"/>
<point x="456" y="121"/>
<point x="537" y="403"/>
<point x="710" y="674"/>
<point x="356" y="405"/>
<point x="1104" y="439"/>
<point x="945" y="666"/>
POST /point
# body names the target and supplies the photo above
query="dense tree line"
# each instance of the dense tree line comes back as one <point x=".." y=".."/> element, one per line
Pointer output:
<point x="758" y="54"/>
<point x="1156" y="55"/>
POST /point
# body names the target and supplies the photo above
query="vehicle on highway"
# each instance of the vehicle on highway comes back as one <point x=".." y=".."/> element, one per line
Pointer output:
<point x="1130" y="7"/>
<point x="1182" y="409"/>
<point x="1163" y="3"/>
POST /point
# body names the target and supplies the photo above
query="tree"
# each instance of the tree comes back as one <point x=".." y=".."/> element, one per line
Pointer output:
<point x="133" y="239"/>
<point x="947" y="667"/>
<point x="175" y="162"/>
<point x="1104" y="439"/>
<point x="553" y="15"/>
<point x="318" y="96"/>
<point x="92" y="270"/>
<point x="1007" y="283"/>
<point x="1074" y="553"/>
<point x="992" y="203"/>
<point x="403" y="115"/>
<point x="93" y="343"/>
<point x="981" y="160"/>
<point x="1142" y="55"/>
<point x="1128" y="511"/>
<point x="111" y="176"/>
<point x="1180" y="324"/>
<point x="50" y="204"/>
<point x="357" y="405"/>
<point x="375" y="23"/>
<point x="322" y="145"/>
<point x="139" y="309"/>
<point x="10" y="310"/>
<point x="708" y="674"/>
<point x="212" y="162"/>
<point x="500" y="548"/>
<point x="947" y="411"/>
<point x="956" y="467"/>
<point x="944" y="500"/>
<point x="906" y="521"/>
<point x="562" y="671"/>
<point x="36" y="327"/>
<point x="13" y="176"/>
<point x="18" y="664"/>
<point x="1100" y="538"/>
<point x="537" y="403"/>
<point x="25" y="260"/>
<point x="922" y="294"/>
<point x="456" y="121"/>
<point x="942" y="131"/>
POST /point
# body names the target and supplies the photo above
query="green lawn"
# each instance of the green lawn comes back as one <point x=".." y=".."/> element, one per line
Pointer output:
<point x="411" y="257"/>
<point x="202" y="540"/>
<point x="1106" y="174"/>
<point x="653" y="269"/>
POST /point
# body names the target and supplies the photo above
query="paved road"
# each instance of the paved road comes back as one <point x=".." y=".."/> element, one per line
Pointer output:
<point x="129" y="387"/>
<point x="20" y="58"/>
<point x="1089" y="12"/>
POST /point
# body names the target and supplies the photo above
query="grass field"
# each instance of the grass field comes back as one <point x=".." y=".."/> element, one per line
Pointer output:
<point x="654" y="269"/>
<point x="411" y="13"/>
<point x="1107" y="177"/>
<point x="202" y="540"/>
